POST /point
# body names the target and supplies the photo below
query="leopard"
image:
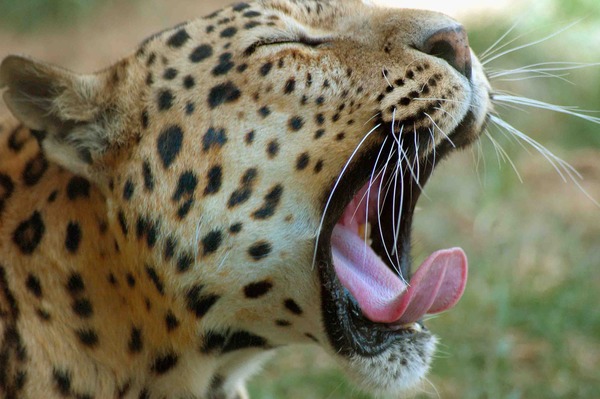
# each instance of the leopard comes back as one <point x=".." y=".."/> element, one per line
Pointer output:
<point x="240" y="183"/>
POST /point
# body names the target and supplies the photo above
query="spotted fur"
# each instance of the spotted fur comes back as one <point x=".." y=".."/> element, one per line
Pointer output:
<point x="158" y="219"/>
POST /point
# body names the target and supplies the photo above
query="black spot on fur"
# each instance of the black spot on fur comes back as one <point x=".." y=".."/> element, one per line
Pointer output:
<point x="260" y="250"/>
<point x="200" y="304"/>
<point x="184" y="262"/>
<point x="252" y="14"/>
<point x="214" y="138"/>
<point x="302" y="161"/>
<point x="87" y="337"/>
<point x="223" y="93"/>
<point x="130" y="280"/>
<point x="251" y="25"/>
<point x="290" y="86"/>
<point x="165" y="100"/>
<point x="135" y="344"/>
<point x="264" y="111"/>
<point x="235" y="228"/>
<point x="62" y="381"/>
<point x="225" y="65"/>
<point x="201" y="53"/>
<point x="83" y="308"/>
<point x="293" y="307"/>
<point x="148" y="176"/>
<point x="249" y="138"/>
<point x="272" y="200"/>
<point x="243" y="193"/>
<point x="211" y="242"/>
<point x="256" y="290"/>
<point x="164" y="363"/>
<point x="34" y="170"/>
<point x="229" y="32"/>
<point x="34" y="286"/>
<point x="178" y="39"/>
<point x="170" y="73"/>
<point x="186" y="186"/>
<point x="78" y="187"/>
<point x="123" y="222"/>
<point x="75" y="284"/>
<point x="171" y="321"/>
<point x="153" y="276"/>
<point x="227" y="341"/>
<point x="73" y="237"/>
<point x="16" y="141"/>
<point x="169" y="144"/>
<point x="7" y="188"/>
<point x="29" y="233"/>
<point x="266" y="68"/>
<point x="273" y="149"/>
<point x="214" y="177"/>
<point x="189" y="82"/>
<point x="170" y="246"/>
<point x="296" y="123"/>
<point x="128" y="190"/>
<point x="240" y="6"/>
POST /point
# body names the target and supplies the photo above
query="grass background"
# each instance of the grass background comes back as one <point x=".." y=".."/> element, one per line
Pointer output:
<point x="529" y="323"/>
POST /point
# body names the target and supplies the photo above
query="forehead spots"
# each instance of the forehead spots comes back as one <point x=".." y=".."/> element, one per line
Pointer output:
<point x="169" y="144"/>
<point x="273" y="149"/>
<point x="201" y="53"/>
<point x="185" y="262"/>
<point x="128" y="190"/>
<point x="290" y="86"/>
<point x="29" y="233"/>
<point x="78" y="187"/>
<point x="178" y="39"/>
<point x="266" y="68"/>
<point x="223" y="93"/>
<point x="229" y="32"/>
<point x="224" y="66"/>
<point x="171" y="321"/>
<point x="241" y="7"/>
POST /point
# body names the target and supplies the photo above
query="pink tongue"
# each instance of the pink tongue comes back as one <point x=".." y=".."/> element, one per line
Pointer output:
<point x="382" y="296"/>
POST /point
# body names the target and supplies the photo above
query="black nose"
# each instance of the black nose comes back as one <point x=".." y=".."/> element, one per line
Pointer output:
<point x="452" y="45"/>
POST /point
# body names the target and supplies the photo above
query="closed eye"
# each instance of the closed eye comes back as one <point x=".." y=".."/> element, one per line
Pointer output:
<point x="299" y="40"/>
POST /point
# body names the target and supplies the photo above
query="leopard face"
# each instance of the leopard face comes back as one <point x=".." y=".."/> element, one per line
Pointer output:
<point x="211" y="192"/>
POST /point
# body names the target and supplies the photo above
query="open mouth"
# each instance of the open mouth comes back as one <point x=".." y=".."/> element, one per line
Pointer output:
<point x="370" y="296"/>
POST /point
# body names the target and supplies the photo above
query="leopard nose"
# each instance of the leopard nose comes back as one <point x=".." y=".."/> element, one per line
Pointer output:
<point x="452" y="45"/>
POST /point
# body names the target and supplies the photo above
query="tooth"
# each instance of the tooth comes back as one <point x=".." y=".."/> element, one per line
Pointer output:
<point x="365" y="228"/>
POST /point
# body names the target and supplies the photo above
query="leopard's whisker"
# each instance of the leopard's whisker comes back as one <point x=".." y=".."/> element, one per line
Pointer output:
<point x="562" y="167"/>
<point x="562" y="109"/>
<point x="335" y="186"/>
<point x="492" y="49"/>
<point x="440" y="129"/>
<point x="502" y="154"/>
<point x="524" y="46"/>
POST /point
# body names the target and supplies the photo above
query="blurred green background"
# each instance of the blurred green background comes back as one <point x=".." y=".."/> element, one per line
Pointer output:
<point x="529" y="323"/>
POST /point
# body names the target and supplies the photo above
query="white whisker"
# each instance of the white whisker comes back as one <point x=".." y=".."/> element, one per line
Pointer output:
<point x="524" y="46"/>
<point x="335" y="186"/>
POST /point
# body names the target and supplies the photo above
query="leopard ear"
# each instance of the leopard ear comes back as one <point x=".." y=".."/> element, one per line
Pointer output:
<point x="74" y="116"/>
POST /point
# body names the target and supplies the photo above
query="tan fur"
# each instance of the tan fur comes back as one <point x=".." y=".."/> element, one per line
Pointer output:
<point x="94" y="127"/>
